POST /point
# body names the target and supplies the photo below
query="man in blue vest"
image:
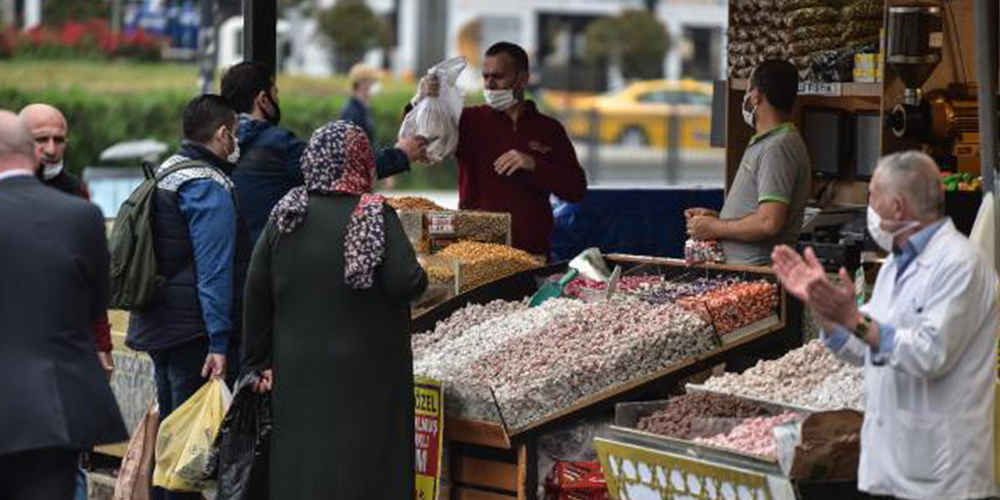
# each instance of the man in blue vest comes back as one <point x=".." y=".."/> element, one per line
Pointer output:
<point x="192" y="325"/>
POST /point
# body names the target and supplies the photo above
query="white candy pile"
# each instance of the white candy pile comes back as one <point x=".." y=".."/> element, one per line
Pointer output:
<point x="543" y="359"/>
<point x="809" y="376"/>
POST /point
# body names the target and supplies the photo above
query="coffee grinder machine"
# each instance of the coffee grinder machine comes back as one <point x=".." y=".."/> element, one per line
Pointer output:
<point x="946" y="120"/>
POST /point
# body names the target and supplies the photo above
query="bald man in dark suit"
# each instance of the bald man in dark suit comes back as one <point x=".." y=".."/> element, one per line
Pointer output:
<point x="54" y="397"/>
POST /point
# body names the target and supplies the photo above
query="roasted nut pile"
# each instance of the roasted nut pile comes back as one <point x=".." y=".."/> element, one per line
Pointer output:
<point x="413" y="203"/>
<point x="543" y="359"/>
<point x="809" y="376"/>
<point x="486" y="227"/>
<point x="700" y="414"/>
<point x="697" y="252"/>
<point x="752" y="437"/>
<point x="483" y="263"/>
<point x="733" y="306"/>
<point x="439" y="273"/>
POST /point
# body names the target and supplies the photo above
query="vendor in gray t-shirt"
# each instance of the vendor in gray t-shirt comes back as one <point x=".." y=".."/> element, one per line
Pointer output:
<point x="767" y="200"/>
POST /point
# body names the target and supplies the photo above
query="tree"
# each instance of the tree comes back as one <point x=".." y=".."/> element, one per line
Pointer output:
<point x="635" y="40"/>
<point x="56" y="13"/>
<point x="353" y="29"/>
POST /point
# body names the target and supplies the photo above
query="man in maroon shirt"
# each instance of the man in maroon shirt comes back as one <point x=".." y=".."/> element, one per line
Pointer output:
<point x="510" y="156"/>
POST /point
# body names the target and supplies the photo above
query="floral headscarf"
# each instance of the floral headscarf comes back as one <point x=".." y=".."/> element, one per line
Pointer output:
<point x="338" y="159"/>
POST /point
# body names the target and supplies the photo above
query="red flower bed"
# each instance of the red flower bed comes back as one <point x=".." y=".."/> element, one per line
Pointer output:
<point x="81" y="39"/>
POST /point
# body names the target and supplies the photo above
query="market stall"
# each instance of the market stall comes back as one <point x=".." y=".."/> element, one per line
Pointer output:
<point x="512" y="373"/>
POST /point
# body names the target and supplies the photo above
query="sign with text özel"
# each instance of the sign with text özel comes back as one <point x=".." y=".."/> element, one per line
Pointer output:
<point x="429" y="435"/>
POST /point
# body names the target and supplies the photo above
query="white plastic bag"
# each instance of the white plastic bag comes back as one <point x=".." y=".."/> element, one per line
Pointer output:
<point x="436" y="118"/>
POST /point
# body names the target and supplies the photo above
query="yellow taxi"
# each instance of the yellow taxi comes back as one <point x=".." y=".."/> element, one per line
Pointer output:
<point x="640" y="114"/>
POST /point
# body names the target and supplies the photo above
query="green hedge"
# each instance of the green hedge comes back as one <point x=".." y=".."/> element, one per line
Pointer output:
<point x="98" y="121"/>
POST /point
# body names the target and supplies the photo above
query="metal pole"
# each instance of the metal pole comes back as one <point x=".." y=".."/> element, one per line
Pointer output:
<point x="673" y="148"/>
<point x="986" y="73"/>
<point x="260" y="32"/>
<point x="593" y="144"/>
<point x="207" y="46"/>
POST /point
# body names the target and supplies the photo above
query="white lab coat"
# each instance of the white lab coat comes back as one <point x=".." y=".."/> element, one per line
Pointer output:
<point x="928" y="429"/>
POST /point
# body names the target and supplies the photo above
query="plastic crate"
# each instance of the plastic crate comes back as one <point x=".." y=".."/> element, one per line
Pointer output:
<point x="566" y="476"/>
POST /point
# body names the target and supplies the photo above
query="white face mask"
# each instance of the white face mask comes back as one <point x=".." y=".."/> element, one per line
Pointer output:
<point x="884" y="238"/>
<point x="748" y="114"/>
<point x="50" y="172"/>
<point x="500" y="100"/>
<point x="235" y="155"/>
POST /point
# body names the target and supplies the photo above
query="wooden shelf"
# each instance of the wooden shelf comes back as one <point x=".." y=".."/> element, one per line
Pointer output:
<point x="842" y="89"/>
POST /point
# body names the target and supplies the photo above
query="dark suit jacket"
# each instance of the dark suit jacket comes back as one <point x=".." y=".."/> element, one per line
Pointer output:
<point x="53" y="285"/>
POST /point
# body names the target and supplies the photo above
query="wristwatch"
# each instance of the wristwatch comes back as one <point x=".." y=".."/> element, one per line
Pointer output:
<point x="861" y="328"/>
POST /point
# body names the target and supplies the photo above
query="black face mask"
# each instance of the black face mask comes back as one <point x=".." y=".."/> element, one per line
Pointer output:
<point x="273" y="118"/>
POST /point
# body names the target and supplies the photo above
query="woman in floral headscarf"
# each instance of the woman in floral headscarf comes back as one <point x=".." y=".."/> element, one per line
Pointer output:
<point x="326" y="325"/>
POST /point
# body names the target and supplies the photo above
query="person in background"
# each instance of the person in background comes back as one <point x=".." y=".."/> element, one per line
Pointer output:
<point x="766" y="204"/>
<point x="54" y="397"/>
<point x="270" y="154"/>
<point x="191" y="327"/>
<point x="511" y="157"/>
<point x="364" y="84"/>
<point x="326" y="325"/>
<point x="50" y="131"/>
<point x="927" y="340"/>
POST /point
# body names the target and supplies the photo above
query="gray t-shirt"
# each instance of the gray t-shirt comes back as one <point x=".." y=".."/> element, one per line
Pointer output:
<point x="775" y="167"/>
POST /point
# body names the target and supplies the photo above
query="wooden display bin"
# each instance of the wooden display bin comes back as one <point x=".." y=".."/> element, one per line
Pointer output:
<point x="489" y="461"/>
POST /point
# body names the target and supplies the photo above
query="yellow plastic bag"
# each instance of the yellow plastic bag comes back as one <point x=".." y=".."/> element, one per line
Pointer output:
<point x="186" y="436"/>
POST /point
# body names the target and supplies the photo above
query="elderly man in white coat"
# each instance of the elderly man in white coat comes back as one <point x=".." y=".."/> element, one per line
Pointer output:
<point x="927" y="340"/>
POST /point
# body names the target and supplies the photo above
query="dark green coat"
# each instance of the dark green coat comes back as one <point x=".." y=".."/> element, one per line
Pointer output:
<point x="343" y="369"/>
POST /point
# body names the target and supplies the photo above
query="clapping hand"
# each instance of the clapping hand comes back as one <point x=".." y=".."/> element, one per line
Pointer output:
<point x="804" y="277"/>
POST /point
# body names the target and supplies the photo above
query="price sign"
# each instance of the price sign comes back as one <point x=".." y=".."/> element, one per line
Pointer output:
<point x="440" y="224"/>
<point x="429" y="422"/>
<point x="819" y="88"/>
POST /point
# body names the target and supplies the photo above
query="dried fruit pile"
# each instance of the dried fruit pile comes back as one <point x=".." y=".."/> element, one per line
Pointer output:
<point x="536" y="361"/>
<point x="700" y="414"/>
<point x="809" y="376"/>
<point x="753" y="437"/>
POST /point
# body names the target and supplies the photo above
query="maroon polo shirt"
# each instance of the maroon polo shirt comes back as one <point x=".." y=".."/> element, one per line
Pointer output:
<point x="486" y="134"/>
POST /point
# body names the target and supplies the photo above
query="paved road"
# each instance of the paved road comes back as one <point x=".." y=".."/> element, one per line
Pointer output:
<point x="638" y="167"/>
<point x="629" y="168"/>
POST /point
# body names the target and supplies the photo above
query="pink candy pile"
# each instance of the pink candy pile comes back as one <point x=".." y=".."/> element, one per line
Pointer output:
<point x="752" y="437"/>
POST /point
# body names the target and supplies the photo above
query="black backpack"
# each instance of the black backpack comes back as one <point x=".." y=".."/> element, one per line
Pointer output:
<point x="133" y="262"/>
